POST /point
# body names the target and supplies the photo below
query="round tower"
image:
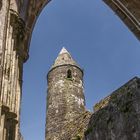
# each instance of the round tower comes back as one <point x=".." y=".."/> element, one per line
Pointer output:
<point x="65" y="99"/>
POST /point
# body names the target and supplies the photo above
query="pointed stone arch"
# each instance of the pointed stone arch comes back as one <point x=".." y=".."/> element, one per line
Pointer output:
<point x="128" y="11"/>
<point x="17" y="20"/>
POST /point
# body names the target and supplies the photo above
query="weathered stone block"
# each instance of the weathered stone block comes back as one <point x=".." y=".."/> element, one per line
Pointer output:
<point x="117" y="117"/>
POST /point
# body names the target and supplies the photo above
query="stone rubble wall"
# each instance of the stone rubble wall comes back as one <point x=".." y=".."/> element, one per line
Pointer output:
<point x="65" y="99"/>
<point x="117" y="117"/>
<point x="74" y="130"/>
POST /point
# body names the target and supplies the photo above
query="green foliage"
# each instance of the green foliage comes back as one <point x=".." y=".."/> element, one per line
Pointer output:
<point x="77" y="138"/>
<point x="89" y="130"/>
<point x="70" y="79"/>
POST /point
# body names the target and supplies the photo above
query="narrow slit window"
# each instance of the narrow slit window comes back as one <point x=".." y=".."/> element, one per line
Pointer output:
<point x="69" y="74"/>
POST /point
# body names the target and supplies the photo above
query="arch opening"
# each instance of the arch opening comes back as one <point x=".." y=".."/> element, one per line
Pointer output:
<point x="87" y="44"/>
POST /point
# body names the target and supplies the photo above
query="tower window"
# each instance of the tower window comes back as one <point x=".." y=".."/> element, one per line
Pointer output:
<point x="69" y="74"/>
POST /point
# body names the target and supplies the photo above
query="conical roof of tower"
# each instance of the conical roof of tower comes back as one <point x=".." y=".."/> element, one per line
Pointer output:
<point x="64" y="58"/>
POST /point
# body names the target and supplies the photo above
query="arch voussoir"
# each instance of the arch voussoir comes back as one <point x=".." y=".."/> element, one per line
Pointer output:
<point x="129" y="13"/>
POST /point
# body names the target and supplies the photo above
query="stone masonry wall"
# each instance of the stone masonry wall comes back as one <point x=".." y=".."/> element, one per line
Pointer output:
<point x="12" y="56"/>
<point x="74" y="130"/>
<point x="117" y="117"/>
<point x="65" y="99"/>
<point x="4" y="9"/>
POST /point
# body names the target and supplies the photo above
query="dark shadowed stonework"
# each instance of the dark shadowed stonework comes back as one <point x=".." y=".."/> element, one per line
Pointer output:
<point x="117" y="117"/>
<point x="0" y="4"/>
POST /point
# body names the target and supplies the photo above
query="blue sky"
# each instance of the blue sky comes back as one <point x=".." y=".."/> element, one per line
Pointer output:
<point x="96" y="38"/>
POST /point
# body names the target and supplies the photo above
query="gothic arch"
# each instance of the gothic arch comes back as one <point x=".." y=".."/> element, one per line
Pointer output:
<point x="17" y="20"/>
<point x="128" y="11"/>
<point x="29" y="11"/>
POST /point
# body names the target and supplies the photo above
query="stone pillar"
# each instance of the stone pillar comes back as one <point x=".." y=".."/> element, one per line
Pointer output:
<point x="3" y="131"/>
<point x="19" y="57"/>
<point x="11" y="128"/>
<point x="18" y="92"/>
<point x="2" y="121"/>
<point x="8" y="123"/>
<point x="14" y="56"/>
<point x="4" y="11"/>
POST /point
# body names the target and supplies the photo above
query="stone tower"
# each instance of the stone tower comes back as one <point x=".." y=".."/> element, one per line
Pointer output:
<point x="65" y="99"/>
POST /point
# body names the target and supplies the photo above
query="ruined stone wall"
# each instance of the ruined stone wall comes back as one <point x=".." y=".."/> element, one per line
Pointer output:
<point x="65" y="99"/>
<point x="17" y="19"/>
<point x="74" y="130"/>
<point x="117" y="117"/>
